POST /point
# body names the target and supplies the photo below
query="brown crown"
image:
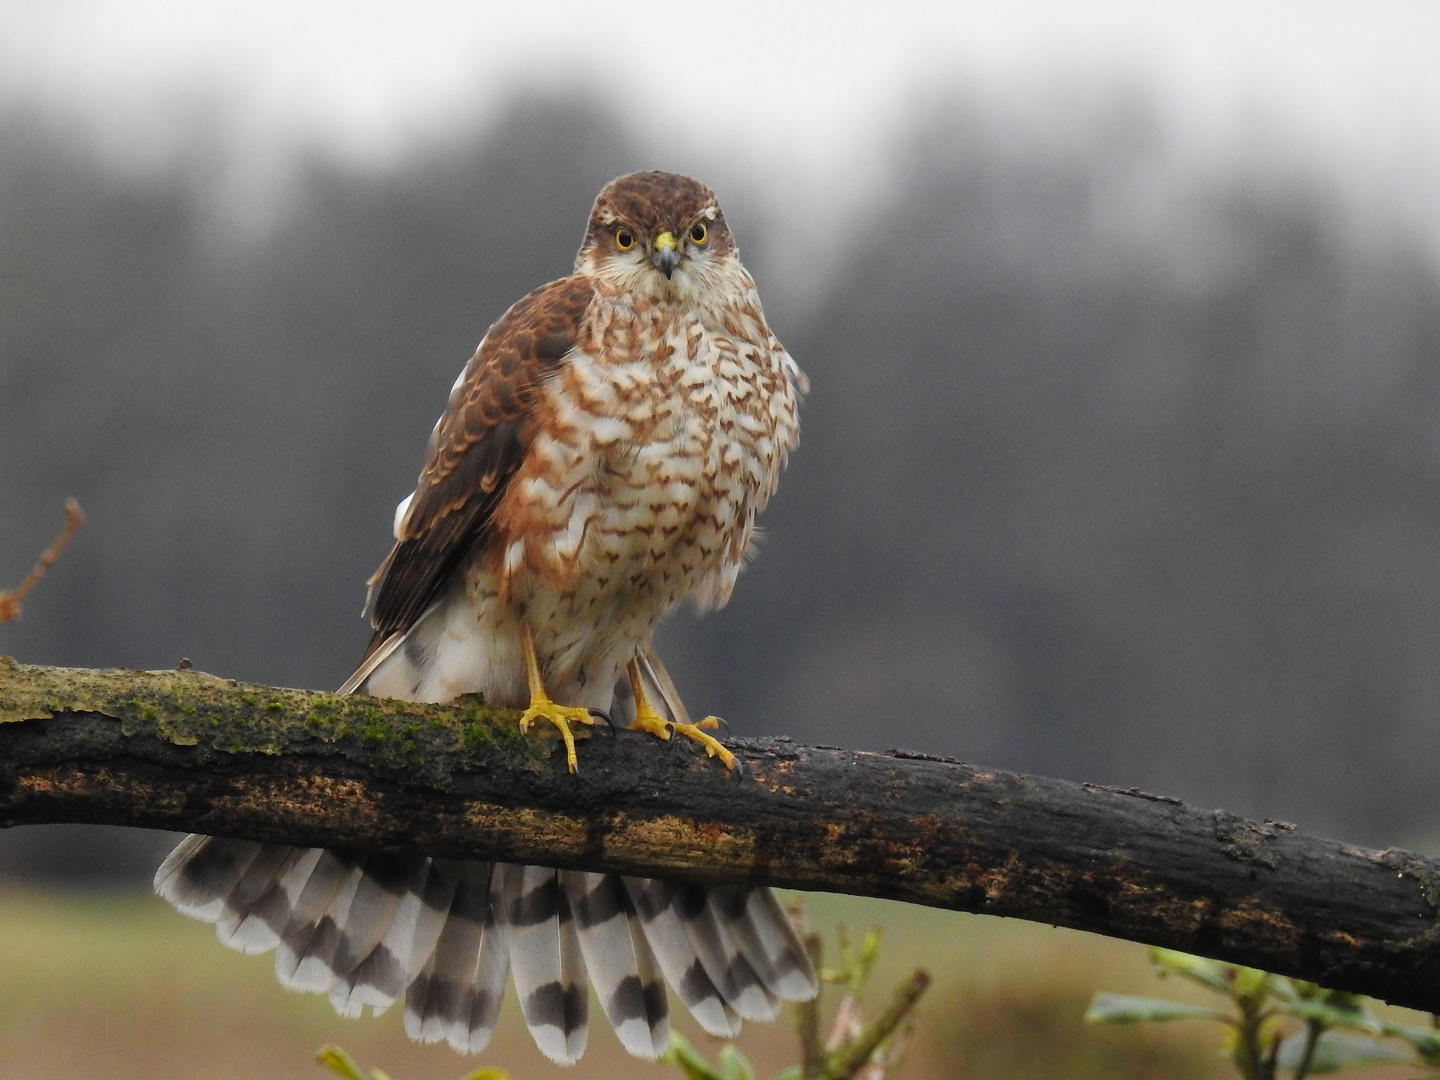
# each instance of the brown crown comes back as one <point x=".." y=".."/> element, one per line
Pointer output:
<point x="655" y="202"/>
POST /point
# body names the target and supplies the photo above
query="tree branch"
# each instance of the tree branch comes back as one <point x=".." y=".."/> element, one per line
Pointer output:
<point x="187" y="751"/>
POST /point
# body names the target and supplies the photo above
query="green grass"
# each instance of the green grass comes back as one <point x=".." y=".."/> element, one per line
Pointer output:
<point x="122" y="988"/>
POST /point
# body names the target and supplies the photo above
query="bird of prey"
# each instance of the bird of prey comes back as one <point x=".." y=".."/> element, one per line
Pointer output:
<point x="602" y="458"/>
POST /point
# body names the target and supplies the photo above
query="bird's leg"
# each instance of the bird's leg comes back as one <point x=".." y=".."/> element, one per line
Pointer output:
<point x="542" y="708"/>
<point x="647" y="718"/>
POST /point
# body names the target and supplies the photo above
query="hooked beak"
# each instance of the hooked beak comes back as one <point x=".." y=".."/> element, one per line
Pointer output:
<point x="666" y="254"/>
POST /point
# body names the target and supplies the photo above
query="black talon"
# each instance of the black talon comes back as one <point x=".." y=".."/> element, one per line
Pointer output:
<point x="724" y="723"/>
<point x="601" y="714"/>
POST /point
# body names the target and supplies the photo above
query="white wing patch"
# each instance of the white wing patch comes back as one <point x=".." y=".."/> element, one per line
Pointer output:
<point x="402" y="516"/>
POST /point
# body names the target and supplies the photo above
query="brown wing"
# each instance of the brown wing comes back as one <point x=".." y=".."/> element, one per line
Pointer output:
<point x="476" y="447"/>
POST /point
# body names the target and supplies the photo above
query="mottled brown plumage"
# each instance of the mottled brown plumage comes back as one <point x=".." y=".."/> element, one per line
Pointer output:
<point x="475" y="447"/>
<point x="602" y="458"/>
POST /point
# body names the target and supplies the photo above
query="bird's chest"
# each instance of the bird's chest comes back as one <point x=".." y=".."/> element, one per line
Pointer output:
<point x="662" y="448"/>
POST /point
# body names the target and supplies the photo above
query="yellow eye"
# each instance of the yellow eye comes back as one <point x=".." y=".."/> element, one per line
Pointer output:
<point x="698" y="233"/>
<point x="624" y="239"/>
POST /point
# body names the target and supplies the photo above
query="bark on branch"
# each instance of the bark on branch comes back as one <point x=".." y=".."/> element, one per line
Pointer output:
<point x="187" y="751"/>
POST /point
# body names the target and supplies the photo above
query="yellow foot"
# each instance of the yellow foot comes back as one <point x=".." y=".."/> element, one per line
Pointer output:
<point x="647" y="718"/>
<point x="712" y="745"/>
<point x="542" y="708"/>
<point x="651" y="721"/>
<point x="562" y="716"/>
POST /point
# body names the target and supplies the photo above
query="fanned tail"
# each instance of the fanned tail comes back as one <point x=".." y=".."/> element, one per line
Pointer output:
<point x="367" y="928"/>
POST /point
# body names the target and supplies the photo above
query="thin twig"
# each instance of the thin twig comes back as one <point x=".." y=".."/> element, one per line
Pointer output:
<point x="1313" y="1030"/>
<point x="808" y="1019"/>
<point x="846" y="1061"/>
<point x="10" y="601"/>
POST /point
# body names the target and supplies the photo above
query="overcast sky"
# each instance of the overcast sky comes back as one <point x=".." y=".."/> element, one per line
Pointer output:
<point x="782" y="77"/>
<point x="805" y="91"/>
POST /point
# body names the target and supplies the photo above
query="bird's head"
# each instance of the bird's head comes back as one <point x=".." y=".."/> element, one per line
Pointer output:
<point x="658" y="234"/>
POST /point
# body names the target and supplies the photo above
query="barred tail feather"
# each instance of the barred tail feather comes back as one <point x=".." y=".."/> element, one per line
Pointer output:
<point x="256" y="909"/>
<point x="456" y="997"/>
<point x="622" y="968"/>
<point x="386" y="969"/>
<point x="674" y="951"/>
<point x="742" y="986"/>
<point x="791" y="975"/>
<point x="306" y="957"/>
<point x="546" y="960"/>
<point x="200" y="874"/>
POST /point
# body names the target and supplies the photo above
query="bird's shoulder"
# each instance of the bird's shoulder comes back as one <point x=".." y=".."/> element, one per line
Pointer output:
<point x="521" y="348"/>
